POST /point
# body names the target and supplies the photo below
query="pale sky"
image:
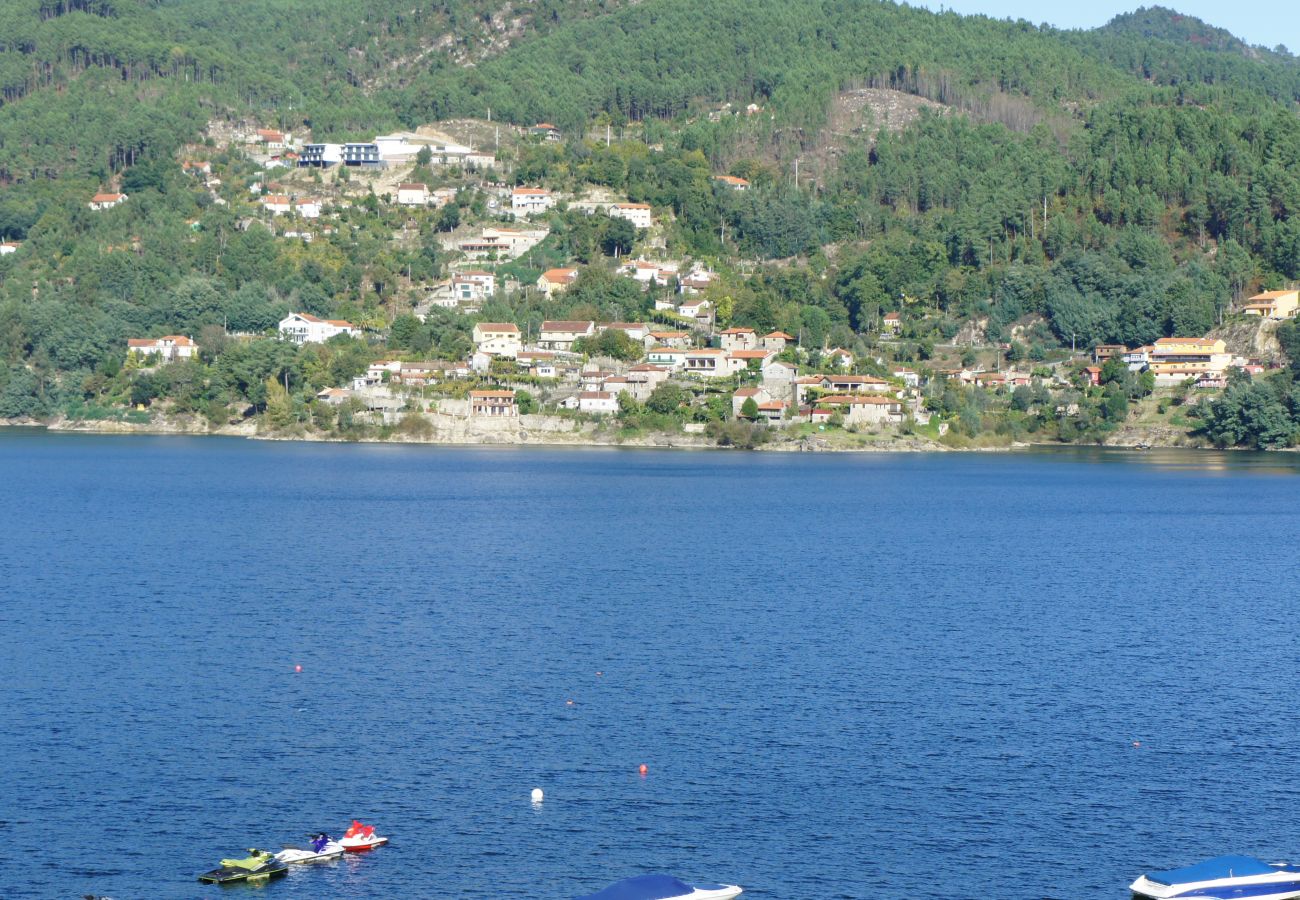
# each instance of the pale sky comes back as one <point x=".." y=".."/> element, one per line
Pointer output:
<point x="1254" y="21"/>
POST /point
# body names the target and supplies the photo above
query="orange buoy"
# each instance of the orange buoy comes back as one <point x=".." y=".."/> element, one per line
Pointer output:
<point x="644" y="768"/>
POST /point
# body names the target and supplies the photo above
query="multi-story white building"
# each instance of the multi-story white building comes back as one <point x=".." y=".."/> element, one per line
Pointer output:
<point x="497" y="339"/>
<point x="302" y="328"/>
<point x="526" y="201"/>
<point x="636" y="213"/>
<point x="170" y="347"/>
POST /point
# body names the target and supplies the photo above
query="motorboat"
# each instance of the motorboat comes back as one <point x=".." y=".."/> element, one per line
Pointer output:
<point x="361" y="837"/>
<point x="259" y="865"/>
<point x="1222" y="878"/>
<point x="663" y="887"/>
<point x="321" y="849"/>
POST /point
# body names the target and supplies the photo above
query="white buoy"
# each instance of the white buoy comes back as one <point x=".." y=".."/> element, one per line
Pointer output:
<point x="538" y="795"/>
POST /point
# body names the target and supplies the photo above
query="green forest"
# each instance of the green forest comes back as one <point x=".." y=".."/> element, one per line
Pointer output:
<point x="1121" y="184"/>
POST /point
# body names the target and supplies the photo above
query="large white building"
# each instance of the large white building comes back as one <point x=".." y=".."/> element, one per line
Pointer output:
<point x="525" y="201"/>
<point x="169" y="348"/>
<point x="497" y="338"/>
<point x="302" y="328"/>
<point x="636" y="213"/>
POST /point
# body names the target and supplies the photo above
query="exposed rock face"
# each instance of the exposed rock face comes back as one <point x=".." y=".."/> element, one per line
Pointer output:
<point x="1252" y="338"/>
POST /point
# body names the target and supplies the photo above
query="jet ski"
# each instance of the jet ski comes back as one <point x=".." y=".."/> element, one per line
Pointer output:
<point x="360" y="837"/>
<point x="259" y="865"/>
<point x="322" y="848"/>
<point x="663" y="887"/>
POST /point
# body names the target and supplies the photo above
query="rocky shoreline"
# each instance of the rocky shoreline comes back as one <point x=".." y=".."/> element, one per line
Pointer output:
<point x="547" y="431"/>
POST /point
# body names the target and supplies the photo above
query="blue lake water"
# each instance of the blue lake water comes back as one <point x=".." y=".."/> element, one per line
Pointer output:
<point x="879" y="676"/>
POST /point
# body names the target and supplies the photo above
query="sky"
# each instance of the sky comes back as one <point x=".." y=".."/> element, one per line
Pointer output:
<point x="1254" y="21"/>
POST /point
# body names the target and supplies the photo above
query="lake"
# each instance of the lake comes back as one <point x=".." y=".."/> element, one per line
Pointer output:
<point x="849" y="676"/>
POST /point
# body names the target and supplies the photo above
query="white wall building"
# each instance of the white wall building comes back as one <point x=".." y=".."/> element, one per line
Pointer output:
<point x="527" y="201"/>
<point x="497" y="338"/>
<point x="636" y="213"/>
<point x="302" y="328"/>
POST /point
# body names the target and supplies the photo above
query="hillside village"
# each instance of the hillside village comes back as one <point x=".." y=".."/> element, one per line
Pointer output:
<point x="683" y="365"/>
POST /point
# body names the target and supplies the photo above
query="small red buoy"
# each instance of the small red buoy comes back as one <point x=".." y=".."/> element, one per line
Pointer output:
<point x="1137" y="743"/>
<point x="297" y="668"/>
<point x="644" y="768"/>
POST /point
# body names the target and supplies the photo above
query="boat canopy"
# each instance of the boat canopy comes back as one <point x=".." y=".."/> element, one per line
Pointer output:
<point x="644" y="887"/>
<point x="1211" y="869"/>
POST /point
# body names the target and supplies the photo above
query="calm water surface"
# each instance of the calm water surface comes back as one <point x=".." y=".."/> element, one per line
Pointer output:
<point x="850" y="676"/>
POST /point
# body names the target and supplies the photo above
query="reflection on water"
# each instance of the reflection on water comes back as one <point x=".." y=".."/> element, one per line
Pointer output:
<point x="1177" y="459"/>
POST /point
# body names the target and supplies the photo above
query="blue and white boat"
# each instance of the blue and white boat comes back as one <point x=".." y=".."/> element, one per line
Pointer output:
<point x="663" y="887"/>
<point x="1222" y="878"/>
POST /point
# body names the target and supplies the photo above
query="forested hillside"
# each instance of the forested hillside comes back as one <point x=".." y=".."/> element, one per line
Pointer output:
<point x="1064" y="188"/>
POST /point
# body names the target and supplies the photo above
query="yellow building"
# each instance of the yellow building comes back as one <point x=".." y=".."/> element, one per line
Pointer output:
<point x="1175" y="359"/>
<point x="1273" y="305"/>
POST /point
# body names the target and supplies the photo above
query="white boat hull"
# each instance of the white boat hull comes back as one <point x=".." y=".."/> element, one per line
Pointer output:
<point x="1279" y="886"/>
<point x="299" y="856"/>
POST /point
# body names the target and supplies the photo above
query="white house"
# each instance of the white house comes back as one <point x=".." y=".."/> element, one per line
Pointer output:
<point x="731" y="181"/>
<point x="599" y="402"/>
<point x="277" y="204"/>
<point x="107" y="201"/>
<point x="636" y="213"/>
<point x="302" y="328"/>
<point x="699" y="310"/>
<point x="308" y="208"/>
<point x="526" y="201"/>
<point x="560" y="335"/>
<point x="473" y="286"/>
<point x="839" y="358"/>
<point x="413" y="193"/>
<point x="711" y="362"/>
<point x="273" y="140"/>
<point x="497" y="338"/>
<point x="673" y="358"/>
<point x="170" y="348"/>
<point x="9" y="247"/>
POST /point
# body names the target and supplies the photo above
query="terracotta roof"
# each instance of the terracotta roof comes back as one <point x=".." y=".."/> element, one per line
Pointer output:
<point x="631" y="205"/>
<point x="279" y="199"/>
<point x="106" y="198"/>
<point x="732" y="180"/>
<point x="412" y="186"/>
<point x="531" y="192"/>
<point x="774" y="406"/>
<point x="892" y="316"/>
<point x="780" y="334"/>
<point x="751" y="354"/>
<point x="566" y="326"/>
<point x="1271" y="295"/>
<point x="595" y="395"/>
<point x="739" y="331"/>
<point x="546" y="125"/>
<point x="492" y="395"/>
<point x="560" y="276"/>
<point x="498" y="326"/>
<point x="746" y="392"/>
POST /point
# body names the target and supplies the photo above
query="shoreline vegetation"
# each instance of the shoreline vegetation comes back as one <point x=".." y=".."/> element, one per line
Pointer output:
<point x="554" y="431"/>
